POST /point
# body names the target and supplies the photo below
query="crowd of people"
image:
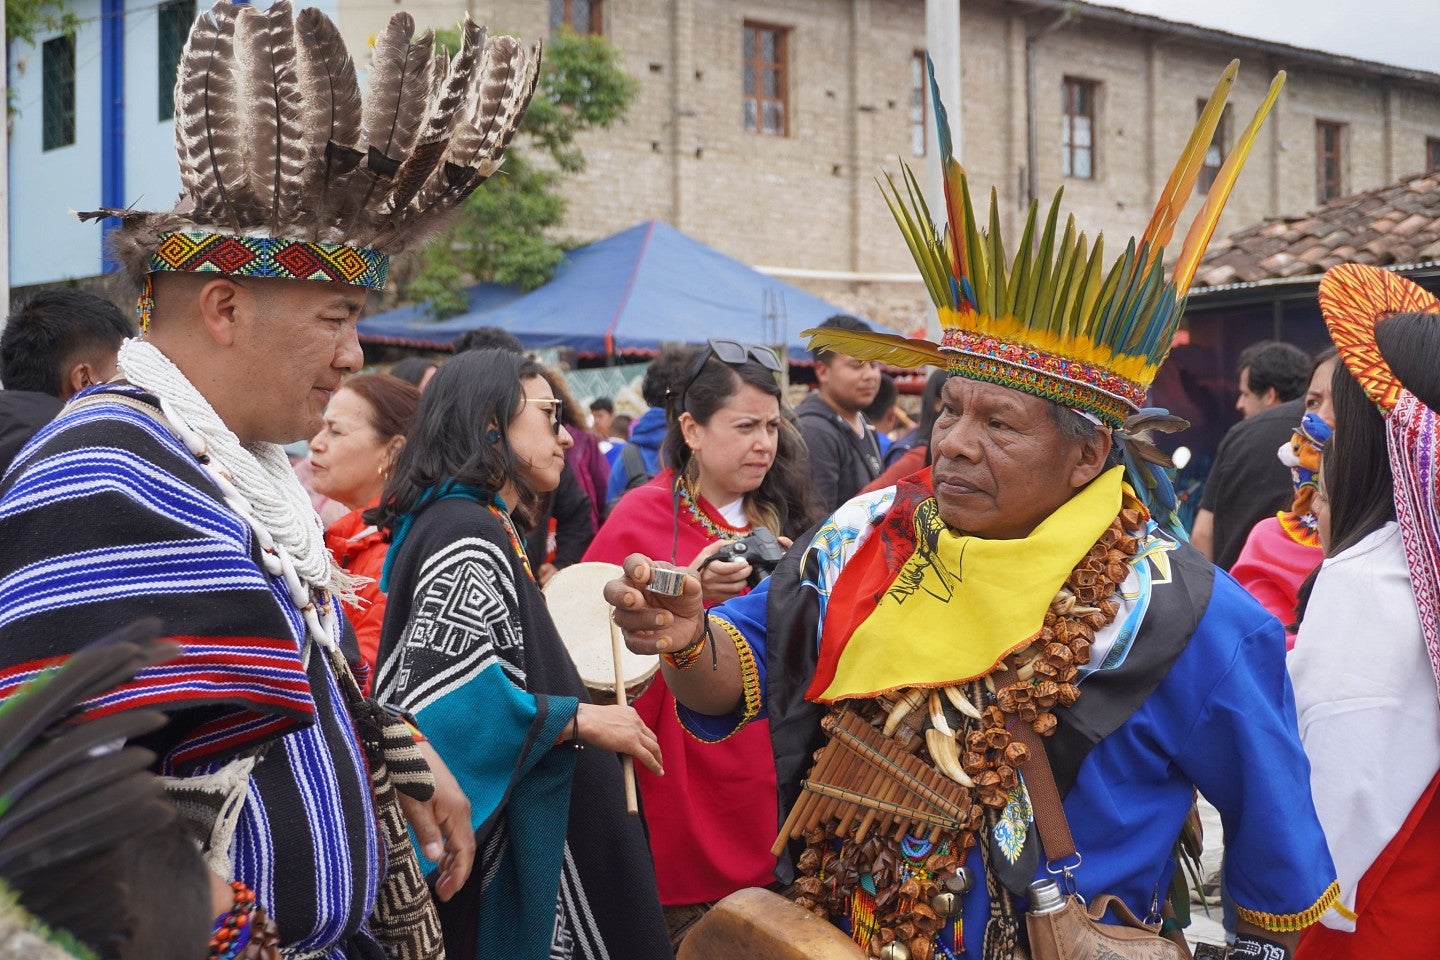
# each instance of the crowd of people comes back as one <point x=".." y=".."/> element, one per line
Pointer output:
<point x="909" y="670"/>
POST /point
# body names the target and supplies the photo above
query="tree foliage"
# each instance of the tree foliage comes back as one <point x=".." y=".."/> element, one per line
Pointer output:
<point x="505" y="233"/>
<point x="26" y="21"/>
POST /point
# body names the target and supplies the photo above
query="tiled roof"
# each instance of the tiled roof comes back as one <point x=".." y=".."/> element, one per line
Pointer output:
<point x="1396" y="224"/>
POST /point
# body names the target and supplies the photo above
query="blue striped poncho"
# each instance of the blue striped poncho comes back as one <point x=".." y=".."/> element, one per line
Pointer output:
<point x="105" y="517"/>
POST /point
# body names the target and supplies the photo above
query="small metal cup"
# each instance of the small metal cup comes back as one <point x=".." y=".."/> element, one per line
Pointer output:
<point x="666" y="582"/>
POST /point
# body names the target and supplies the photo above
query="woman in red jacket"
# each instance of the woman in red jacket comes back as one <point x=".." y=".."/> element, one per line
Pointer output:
<point x="352" y="456"/>
<point x="735" y="464"/>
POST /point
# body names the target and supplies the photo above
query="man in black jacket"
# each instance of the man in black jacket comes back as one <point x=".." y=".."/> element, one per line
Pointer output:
<point x="1248" y="482"/>
<point x="844" y="454"/>
<point x="60" y="342"/>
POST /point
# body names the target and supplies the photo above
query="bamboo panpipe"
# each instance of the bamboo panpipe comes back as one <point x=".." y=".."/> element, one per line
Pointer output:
<point x="860" y="769"/>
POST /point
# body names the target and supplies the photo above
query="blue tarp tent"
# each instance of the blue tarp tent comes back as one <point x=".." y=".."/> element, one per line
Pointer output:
<point x="628" y="293"/>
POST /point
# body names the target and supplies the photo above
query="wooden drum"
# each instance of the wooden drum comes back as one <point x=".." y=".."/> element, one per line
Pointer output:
<point x="577" y="604"/>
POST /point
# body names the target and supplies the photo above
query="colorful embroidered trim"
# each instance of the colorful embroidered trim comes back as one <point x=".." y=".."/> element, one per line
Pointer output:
<point x="717" y="529"/>
<point x="749" y="684"/>
<point x="1288" y="922"/>
<point x="270" y="257"/>
<point x="749" y="675"/>
<point x="275" y="257"/>
<point x="1073" y="383"/>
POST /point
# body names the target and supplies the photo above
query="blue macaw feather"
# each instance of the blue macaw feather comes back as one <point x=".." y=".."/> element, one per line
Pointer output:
<point x="942" y="122"/>
<point x="969" y="292"/>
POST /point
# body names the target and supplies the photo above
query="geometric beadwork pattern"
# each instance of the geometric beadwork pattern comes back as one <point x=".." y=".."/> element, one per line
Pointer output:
<point x="1353" y="299"/>
<point x="181" y="252"/>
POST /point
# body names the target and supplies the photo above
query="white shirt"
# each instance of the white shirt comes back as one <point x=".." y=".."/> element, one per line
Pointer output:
<point x="1368" y="708"/>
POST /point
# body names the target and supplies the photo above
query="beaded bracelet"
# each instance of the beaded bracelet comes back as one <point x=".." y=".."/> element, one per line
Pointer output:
<point x="688" y="657"/>
<point x="232" y="930"/>
<point x="415" y="733"/>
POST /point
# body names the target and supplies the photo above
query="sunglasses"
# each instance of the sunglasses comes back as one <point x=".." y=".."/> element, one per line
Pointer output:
<point x="554" y="402"/>
<point x="733" y="353"/>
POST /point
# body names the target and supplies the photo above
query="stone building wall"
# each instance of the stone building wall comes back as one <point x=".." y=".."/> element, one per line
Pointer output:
<point x="808" y="201"/>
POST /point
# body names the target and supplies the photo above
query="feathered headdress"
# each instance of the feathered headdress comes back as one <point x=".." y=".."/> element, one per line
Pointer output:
<point x="286" y="172"/>
<point x="1052" y="319"/>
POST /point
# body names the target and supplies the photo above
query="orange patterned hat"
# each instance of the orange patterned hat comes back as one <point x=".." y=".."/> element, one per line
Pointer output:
<point x="1353" y="299"/>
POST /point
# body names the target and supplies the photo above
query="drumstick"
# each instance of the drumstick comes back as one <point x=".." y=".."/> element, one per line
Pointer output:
<point x="627" y="762"/>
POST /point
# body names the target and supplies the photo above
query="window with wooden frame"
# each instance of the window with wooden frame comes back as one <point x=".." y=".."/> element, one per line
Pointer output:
<point x="1329" y="160"/>
<point x="175" y="17"/>
<point x="764" y="56"/>
<point x="1215" y="153"/>
<point x="1077" y="132"/>
<point x="582" y="16"/>
<point x="57" y="82"/>
<point x="918" y="100"/>
<point x="1432" y="153"/>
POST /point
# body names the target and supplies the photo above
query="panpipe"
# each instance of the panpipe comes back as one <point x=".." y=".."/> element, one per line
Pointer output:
<point x="863" y="780"/>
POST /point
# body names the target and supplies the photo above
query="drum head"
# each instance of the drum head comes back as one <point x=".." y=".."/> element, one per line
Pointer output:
<point x="576" y="599"/>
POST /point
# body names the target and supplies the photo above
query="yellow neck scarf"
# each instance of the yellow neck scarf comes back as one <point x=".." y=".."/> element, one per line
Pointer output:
<point x="956" y="609"/>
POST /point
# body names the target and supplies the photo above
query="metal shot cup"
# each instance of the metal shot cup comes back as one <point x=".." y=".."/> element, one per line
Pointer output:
<point x="666" y="582"/>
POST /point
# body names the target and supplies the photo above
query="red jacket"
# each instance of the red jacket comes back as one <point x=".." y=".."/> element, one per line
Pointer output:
<point x="360" y="549"/>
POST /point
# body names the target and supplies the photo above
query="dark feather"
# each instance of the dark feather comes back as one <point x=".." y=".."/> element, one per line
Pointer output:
<point x="333" y="112"/>
<point x="209" y="128"/>
<point x="92" y="670"/>
<point x="394" y="109"/>
<point x="136" y="805"/>
<point x="61" y="799"/>
<point x="450" y="100"/>
<point x="72" y="746"/>
<point x="72" y="783"/>
<point x="275" y="127"/>
<point x="506" y="78"/>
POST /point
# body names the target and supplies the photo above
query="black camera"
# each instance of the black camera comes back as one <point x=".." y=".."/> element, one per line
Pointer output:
<point x="760" y="549"/>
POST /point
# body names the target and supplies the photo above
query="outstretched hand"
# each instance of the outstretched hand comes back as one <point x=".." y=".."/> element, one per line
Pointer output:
<point x="654" y="623"/>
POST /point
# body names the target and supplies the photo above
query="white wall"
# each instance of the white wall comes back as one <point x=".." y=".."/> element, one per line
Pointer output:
<point x="46" y="242"/>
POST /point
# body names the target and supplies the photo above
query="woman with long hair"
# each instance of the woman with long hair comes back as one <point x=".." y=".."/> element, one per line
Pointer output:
<point x="350" y="458"/>
<point x="736" y="465"/>
<point x="1366" y="664"/>
<point x="470" y="652"/>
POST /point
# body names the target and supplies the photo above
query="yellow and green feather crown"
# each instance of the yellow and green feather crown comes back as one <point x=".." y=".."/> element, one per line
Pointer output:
<point x="1052" y="319"/>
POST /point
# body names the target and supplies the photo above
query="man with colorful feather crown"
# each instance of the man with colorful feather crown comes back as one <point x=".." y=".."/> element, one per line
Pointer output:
<point x="166" y="493"/>
<point x="1025" y="610"/>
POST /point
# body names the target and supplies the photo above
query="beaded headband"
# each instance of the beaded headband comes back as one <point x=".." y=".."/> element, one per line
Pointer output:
<point x="268" y="257"/>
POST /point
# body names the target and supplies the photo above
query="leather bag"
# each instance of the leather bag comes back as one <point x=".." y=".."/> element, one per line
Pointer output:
<point x="1075" y="932"/>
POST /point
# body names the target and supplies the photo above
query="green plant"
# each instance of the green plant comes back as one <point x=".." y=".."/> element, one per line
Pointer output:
<point x="26" y="21"/>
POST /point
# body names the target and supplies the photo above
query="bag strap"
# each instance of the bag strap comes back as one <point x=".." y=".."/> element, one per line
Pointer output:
<point x="1050" y="819"/>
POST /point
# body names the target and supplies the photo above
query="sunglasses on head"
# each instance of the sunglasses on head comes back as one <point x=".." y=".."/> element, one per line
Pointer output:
<point x="732" y="353"/>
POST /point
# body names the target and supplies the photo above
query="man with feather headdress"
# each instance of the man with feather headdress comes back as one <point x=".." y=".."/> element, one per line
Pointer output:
<point x="166" y="493"/>
<point x="1024" y="612"/>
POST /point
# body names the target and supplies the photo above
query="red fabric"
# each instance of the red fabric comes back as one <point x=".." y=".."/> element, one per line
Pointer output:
<point x="1396" y="904"/>
<point x="1271" y="566"/>
<point x="911" y="461"/>
<point x="870" y="572"/>
<point x="360" y="549"/>
<point x="712" y="816"/>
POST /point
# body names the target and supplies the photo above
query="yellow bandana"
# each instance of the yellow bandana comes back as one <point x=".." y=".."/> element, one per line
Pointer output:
<point x="960" y="603"/>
